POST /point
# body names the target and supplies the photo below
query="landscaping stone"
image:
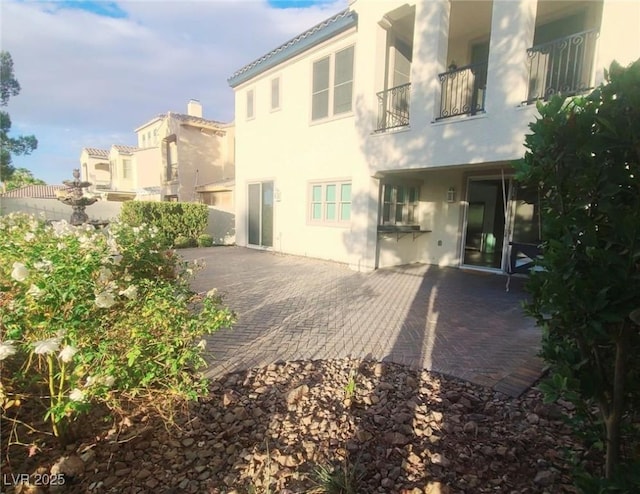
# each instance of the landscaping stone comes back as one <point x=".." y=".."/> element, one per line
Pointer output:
<point x="426" y="433"/>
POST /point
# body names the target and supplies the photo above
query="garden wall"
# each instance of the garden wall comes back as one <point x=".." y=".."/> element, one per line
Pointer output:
<point x="221" y="225"/>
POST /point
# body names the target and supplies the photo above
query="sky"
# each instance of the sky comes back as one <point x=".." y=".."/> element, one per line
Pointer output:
<point x="93" y="71"/>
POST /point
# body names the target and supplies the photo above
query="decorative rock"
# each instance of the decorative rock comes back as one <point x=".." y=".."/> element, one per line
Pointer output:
<point x="297" y="394"/>
<point x="71" y="466"/>
<point x="544" y="478"/>
<point x="532" y="418"/>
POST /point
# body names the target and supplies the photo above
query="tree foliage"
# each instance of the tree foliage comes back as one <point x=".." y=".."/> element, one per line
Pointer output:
<point x="584" y="155"/>
<point x="10" y="146"/>
<point x="22" y="177"/>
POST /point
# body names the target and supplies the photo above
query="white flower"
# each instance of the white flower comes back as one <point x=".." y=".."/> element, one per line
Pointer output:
<point x="91" y="380"/>
<point x="202" y="344"/>
<point x="76" y="395"/>
<point x="212" y="293"/>
<point x="131" y="292"/>
<point x="67" y="353"/>
<point x="104" y="300"/>
<point x="29" y="236"/>
<point x="20" y="271"/>
<point x="61" y="228"/>
<point x="60" y="246"/>
<point x="44" y="265"/>
<point x="104" y="275"/>
<point x="50" y="345"/>
<point x="35" y="291"/>
<point x="109" y="381"/>
<point x="6" y="349"/>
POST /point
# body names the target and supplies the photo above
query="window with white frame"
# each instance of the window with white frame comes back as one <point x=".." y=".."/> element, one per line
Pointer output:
<point x="332" y="88"/>
<point x="126" y="169"/>
<point x="400" y="204"/>
<point x="275" y="93"/>
<point x="330" y="202"/>
<point x="250" y="104"/>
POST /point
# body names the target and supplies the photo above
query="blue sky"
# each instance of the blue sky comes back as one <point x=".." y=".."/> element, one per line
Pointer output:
<point x="91" y="72"/>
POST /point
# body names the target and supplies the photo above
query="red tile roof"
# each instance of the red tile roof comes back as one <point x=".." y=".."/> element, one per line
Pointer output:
<point x="35" y="191"/>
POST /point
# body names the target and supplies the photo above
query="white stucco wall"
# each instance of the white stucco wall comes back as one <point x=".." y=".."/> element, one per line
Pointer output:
<point x="286" y="147"/>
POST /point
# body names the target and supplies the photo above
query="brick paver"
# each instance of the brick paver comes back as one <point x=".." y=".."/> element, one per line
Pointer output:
<point x="459" y="323"/>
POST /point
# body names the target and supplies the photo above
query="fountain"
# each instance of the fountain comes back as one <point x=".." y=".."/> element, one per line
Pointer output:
<point x="76" y="199"/>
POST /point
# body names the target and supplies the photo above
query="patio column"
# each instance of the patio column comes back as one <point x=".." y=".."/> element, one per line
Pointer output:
<point x="512" y="29"/>
<point x="431" y="40"/>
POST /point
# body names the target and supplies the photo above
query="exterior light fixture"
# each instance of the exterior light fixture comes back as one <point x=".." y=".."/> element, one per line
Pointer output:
<point x="451" y="194"/>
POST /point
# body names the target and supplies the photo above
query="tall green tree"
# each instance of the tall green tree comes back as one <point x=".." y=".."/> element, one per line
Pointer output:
<point x="10" y="146"/>
<point x="584" y="155"/>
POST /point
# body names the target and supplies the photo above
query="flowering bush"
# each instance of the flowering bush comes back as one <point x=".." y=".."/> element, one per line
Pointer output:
<point x="89" y="315"/>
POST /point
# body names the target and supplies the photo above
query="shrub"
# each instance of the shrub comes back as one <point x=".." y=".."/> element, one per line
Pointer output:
<point x="584" y="155"/>
<point x="172" y="219"/>
<point x="94" y="316"/>
<point x="205" y="240"/>
<point x="182" y="242"/>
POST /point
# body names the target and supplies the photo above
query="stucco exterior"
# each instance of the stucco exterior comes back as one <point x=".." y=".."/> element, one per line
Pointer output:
<point x="410" y="59"/>
<point x="175" y="154"/>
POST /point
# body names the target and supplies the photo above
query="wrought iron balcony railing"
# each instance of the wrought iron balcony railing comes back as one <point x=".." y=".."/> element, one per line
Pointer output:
<point x="562" y="66"/>
<point x="462" y="90"/>
<point x="393" y="107"/>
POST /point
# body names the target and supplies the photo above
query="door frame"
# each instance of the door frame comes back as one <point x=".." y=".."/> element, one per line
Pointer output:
<point x="508" y="221"/>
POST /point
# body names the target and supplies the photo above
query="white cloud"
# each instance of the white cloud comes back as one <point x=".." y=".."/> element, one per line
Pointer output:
<point x="100" y="77"/>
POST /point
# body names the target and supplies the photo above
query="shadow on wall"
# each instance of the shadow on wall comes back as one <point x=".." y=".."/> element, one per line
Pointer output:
<point x="222" y="226"/>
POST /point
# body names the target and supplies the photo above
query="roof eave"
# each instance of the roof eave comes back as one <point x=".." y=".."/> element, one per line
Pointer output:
<point x="284" y="52"/>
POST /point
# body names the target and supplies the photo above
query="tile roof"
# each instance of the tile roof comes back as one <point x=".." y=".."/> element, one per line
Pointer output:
<point x="126" y="149"/>
<point x="98" y="153"/>
<point x="304" y="41"/>
<point x="183" y="117"/>
<point x="35" y="191"/>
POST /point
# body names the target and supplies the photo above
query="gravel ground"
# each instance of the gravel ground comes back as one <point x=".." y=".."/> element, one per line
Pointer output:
<point x="274" y="429"/>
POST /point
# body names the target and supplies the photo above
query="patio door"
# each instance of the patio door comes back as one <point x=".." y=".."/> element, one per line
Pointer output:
<point x="261" y="214"/>
<point x="485" y="229"/>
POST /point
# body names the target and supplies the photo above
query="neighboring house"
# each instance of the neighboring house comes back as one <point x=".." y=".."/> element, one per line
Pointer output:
<point x="385" y="134"/>
<point x="34" y="192"/>
<point x="178" y="157"/>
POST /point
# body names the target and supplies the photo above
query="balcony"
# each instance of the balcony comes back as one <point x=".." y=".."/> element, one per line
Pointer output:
<point x="462" y="90"/>
<point x="562" y="66"/>
<point x="393" y="108"/>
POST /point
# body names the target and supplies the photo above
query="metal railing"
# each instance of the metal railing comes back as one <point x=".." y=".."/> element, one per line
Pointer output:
<point x="393" y="107"/>
<point x="462" y="90"/>
<point x="562" y="66"/>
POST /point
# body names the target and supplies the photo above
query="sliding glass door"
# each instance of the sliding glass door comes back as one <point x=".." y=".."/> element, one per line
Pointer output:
<point x="261" y="214"/>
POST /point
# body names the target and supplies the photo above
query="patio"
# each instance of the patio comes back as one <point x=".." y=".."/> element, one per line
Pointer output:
<point x="455" y="322"/>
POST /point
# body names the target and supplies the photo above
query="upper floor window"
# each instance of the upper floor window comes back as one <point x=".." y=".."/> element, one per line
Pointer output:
<point x="275" y="93"/>
<point x="400" y="204"/>
<point x="250" y="104"/>
<point x="126" y="169"/>
<point x="332" y="89"/>
<point x="330" y="202"/>
<point x="144" y="141"/>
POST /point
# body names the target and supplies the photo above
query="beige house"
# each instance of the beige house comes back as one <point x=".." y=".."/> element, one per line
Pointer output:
<point x="179" y="157"/>
<point x="385" y="134"/>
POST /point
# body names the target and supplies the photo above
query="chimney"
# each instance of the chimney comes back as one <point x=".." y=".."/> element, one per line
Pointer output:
<point x="194" y="108"/>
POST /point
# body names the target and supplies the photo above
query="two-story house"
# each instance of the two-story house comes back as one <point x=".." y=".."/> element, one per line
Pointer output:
<point x="385" y="134"/>
<point x="179" y="157"/>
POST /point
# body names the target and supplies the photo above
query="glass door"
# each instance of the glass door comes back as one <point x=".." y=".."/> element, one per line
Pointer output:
<point x="485" y="225"/>
<point x="261" y="214"/>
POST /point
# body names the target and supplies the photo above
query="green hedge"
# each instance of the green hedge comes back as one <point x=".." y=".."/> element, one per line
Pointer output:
<point x="173" y="219"/>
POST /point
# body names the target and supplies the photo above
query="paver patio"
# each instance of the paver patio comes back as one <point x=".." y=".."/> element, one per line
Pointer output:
<point x="456" y="322"/>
